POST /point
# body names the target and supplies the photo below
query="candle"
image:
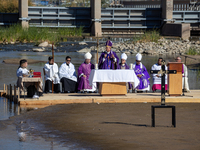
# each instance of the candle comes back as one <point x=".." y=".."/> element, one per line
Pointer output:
<point x="131" y="66"/>
<point x="96" y="66"/>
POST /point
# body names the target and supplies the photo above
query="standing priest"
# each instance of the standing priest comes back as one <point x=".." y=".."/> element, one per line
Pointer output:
<point x="157" y="77"/>
<point x="185" y="85"/>
<point x="83" y="75"/>
<point x="51" y="75"/>
<point x="68" y="76"/>
<point x="142" y="74"/>
<point x="108" y="59"/>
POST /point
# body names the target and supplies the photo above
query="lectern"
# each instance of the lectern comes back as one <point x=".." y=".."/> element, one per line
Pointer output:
<point x="175" y="80"/>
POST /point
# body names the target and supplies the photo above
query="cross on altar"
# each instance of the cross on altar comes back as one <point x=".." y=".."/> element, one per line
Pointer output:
<point x="163" y="73"/>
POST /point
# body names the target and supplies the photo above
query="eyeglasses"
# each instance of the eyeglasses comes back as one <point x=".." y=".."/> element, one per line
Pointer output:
<point x="138" y="61"/>
<point x="68" y="60"/>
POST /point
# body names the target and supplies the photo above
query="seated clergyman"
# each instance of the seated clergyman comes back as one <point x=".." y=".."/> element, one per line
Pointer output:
<point x="185" y="85"/>
<point x="157" y="77"/>
<point x="142" y="74"/>
<point x="22" y="72"/>
<point x="83" y="74"/>
<point x="123" y="65"/>
<point x="68" y="77"/>
<point x="51" y="75"/>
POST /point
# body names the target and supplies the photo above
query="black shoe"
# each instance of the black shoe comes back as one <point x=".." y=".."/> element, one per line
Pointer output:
<point x="40" y="94"/>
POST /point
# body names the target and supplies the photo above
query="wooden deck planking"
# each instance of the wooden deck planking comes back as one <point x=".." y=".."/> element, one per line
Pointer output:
<point x="65" y="98"/>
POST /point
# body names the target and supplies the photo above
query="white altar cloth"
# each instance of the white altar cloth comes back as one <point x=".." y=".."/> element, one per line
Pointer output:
<point x="121" y="75"/>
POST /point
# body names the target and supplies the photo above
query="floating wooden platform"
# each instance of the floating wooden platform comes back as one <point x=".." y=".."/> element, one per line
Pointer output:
<point x="68" y="98"/>
<point x="52" y="99"/>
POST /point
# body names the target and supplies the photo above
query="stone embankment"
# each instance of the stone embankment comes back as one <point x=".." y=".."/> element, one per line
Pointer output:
<point x="163" y="46"/>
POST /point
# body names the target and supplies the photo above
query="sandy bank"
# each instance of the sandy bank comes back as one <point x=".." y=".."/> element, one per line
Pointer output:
<point x="116" y="126"/>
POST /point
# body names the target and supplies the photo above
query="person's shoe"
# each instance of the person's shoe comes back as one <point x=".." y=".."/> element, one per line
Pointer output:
<point x="40" y="94"/>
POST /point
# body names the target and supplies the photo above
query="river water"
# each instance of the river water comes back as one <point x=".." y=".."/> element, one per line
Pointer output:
<point x="9" y="137"/>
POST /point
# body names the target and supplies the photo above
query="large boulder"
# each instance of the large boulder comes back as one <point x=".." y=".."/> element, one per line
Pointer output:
<point x="84" y="50"/>
<point x="83" y="43"/>
<point x="38" y="49"/>
<point x="44" y="44"/>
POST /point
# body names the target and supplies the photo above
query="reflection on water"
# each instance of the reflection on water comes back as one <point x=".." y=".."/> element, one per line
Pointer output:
<point x="10" y="137"/>
<point x="9" y="140"/>
<point x="8" y="71"/>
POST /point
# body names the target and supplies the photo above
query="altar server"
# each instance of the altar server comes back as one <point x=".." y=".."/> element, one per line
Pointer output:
<point x="123" y="65"/>
<point x="22" y="72"/>
<point x="51" y="74"/>
<point x="185" y="85"/>
<point x="108" y="59"/>
<point x="157" y="77"/>
<point x="142" y="74"/>
<point x="83" y="74"/>
<point x="68" y="77"/>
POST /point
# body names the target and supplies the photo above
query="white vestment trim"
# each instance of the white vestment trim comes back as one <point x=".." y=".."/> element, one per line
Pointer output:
<point x="51" y="73"/>
<point x="22" y="71"/>
<point x="157" y="80"/>
<point x="68" y="72"/>
<point x="185" y="84"/>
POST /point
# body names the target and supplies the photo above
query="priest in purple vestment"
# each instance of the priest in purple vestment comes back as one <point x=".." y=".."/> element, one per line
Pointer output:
<point x="108" y="59"/>
<point x="83" y="75"/>
<point x="123" y="65"/>
<point x="142" y="74"/>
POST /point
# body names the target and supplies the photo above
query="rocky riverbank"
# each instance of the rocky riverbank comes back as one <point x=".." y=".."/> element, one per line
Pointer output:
<point x="163" y="46"/>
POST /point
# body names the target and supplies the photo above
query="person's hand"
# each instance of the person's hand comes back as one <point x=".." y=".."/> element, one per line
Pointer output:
<point x="139" y="75"/>
<point x="105" y="55"/>
<point x="24" y="75"/>
<point x="113" y="56"/>
<point x="84" y="76"/>
<point x="157" y="76"/>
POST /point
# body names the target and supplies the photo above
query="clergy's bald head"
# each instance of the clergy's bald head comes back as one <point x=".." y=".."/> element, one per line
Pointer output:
<point x="178" y="59"/>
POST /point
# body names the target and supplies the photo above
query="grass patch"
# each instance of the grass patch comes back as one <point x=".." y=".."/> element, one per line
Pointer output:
<point x="193" y="51"/>
<point x="148" y="36"/>
<point x="10" y="6"/>
<point x="34" y="34"/>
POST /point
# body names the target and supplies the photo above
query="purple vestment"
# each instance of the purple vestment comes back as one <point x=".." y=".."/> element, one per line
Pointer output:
<point x="109" y="62"/>
<point x="84" y="69"/>
<point x="144" y="80"/>
<point x="125" y="67"/>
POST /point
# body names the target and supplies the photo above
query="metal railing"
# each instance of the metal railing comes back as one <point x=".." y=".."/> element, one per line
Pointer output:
<point x="130" y="18"/>
<point x="186" y="16"/>
<point x="59" y="16"/>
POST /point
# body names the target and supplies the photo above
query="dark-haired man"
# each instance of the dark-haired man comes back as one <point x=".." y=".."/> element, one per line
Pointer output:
<point x="51" y="75"/>
<point x="157" y="77"/>
<point x="68" y="77"/>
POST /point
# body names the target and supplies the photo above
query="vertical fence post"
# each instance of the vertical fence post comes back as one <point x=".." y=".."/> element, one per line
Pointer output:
<point x="4" y="88"/>
<point x="96" y="16"/>
<point x="15" y="95"/>
<point x="10" y="92"/>
<point x="23" y="13"/>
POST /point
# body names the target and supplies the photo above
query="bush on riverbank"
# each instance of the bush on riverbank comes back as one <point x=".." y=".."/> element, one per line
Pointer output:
<point x="34" y="34"/>
<point x="10" y="6"/>
<point x="148" y="36"/>
<point x="193" y="51"/>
